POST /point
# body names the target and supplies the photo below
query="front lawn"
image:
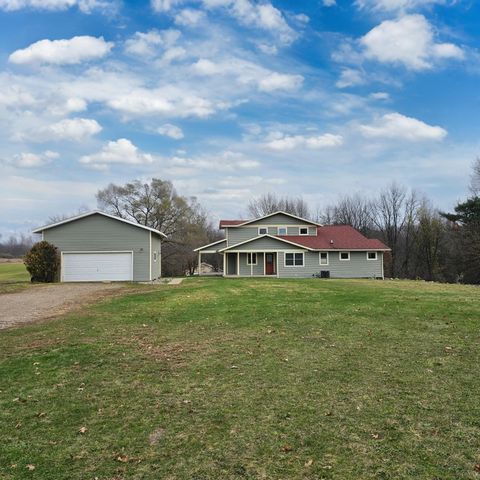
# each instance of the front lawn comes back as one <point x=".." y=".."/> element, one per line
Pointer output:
<point x="249" y="379"/>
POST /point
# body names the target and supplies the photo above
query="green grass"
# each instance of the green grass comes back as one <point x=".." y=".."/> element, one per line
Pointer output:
<point x="249" y="379"/>
<point x="13" y="277"/>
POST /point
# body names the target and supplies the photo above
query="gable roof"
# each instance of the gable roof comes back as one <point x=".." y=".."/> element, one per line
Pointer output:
<point x="97" y="212"/>
<point x="337" y="237"/>
<point x="240" y="223"/>
<point x="210" y="244"/>
<point x="273" y="237"/>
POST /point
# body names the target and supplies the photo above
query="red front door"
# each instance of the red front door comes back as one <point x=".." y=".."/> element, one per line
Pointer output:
<point x="269" y="264"/>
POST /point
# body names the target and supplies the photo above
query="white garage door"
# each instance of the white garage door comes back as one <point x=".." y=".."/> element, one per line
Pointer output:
<point x="97" y="267"/>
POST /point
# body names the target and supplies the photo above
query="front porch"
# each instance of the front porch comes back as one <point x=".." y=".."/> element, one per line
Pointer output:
<point x="251" y="264"/>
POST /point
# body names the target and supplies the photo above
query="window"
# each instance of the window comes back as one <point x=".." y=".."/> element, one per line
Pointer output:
<point x="294" y="260"/>
<point x="262" y="230"/>
<point x="323" y="258"/>
<point x="251" y="258"/>
<point x="154" y="256"/>
<point x="344" y="256"/>
<point x="303" y="230"/>
<point x="282" y="230"/>
<point x="371" y="255"/>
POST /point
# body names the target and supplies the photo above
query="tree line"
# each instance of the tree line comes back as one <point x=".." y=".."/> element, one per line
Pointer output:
<point x="425" y="242"/>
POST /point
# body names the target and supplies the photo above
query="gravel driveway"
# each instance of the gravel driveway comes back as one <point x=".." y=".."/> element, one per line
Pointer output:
<point x="39" y="302"/>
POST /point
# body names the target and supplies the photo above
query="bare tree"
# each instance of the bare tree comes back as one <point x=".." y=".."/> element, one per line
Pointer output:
<point x="475" y="178"/>
<point x="354" y="210"/>
<point x="64" y="216"/>
<point x="389" y="215"/>
<point x="270" y="203"/>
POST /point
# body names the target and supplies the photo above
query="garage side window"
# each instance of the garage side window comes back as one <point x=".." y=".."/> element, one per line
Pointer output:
<point x="155" y="256"/>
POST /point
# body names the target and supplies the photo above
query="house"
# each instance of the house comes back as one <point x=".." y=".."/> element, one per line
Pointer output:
<point x="284" y="245"/>
<point x="97" y="246"/>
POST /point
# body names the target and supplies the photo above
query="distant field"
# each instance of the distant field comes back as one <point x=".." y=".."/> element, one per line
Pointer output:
<point x="222" y="379"/>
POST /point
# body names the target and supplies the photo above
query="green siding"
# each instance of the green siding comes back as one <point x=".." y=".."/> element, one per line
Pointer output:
<point x="100" y="233"/>
<point x="357" y="267"/>
<point x="280" y="219"/>
<point x="246" y="270"/>
<point x="156" y="247"/>
<point x="265" y="243"/>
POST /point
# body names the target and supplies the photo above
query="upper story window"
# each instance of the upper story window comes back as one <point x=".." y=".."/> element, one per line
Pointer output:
<point x="262" y="230"/>
<point x="371" y="255"/>
<point x="282" y="230"/>
<point x="251" y="258"/>
<point x="344" y="256"/>
<point x="323" y="258"/>
<point x="303" y="230"/>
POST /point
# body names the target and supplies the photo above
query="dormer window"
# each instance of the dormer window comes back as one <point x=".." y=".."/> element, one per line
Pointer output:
<point x="282" y="230"/>
<point x="262" y="230"/>
<point x="303" y="230"/>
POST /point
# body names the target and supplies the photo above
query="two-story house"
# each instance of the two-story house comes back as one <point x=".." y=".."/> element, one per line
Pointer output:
<point x="284" y="245"/>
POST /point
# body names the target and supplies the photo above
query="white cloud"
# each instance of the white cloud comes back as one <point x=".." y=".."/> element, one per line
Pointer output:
<point x="350" y="78"/>
<point x="86" y="6"/>
<point x="395" y="5"/>
<point x="225" y="161"/>
<point x="398" y="126"/>
<point x="329" y="3"/>
<point x="168" y="101"/>
<point x="62" y="52"/>
<point x="121" y="151"/>
<point x="280" y="81"/>
<point x="188" y="17"/>
<point x="380" y="96"/>
<point x="75" y="129"/>
<point x="267" y="49"/>
<point x="165" y="5"/>
<point x="32" y="160"/>
<point x="408" y="41"/>
<point x="248" y="73"/>
<point x="291" y="142"/>
<point x="151" y="43"/>
<point x="171" y="131"/>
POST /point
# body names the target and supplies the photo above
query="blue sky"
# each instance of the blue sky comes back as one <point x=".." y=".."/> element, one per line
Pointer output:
<point x="233" y="98"/>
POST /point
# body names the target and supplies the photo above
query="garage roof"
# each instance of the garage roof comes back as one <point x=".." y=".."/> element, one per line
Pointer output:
<point x="97" y="212"/>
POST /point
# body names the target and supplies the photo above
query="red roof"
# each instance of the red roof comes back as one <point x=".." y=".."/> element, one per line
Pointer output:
<point x="341" y="237"/>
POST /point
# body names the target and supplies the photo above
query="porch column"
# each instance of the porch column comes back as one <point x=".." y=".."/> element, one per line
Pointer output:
<point x="199" y="262"/>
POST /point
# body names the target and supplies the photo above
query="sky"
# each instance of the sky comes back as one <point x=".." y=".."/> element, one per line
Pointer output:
<point x="230" y="99"/>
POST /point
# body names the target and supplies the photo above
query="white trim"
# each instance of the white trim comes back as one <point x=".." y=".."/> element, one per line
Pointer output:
<point x="94" y="251"/>
<point x="383" y="272"/>
<point x="303" y="234"/>
<point x="150" y="255"/>
<point x="256" y="259"/>
<point x="286" y="231"/>
<point x="293" y="253"/>
<point x="210" y="244"/>
<point x="262" y="228"/>
<point x="268" y="236"/>
<point x="279" y="212"/>
<point x="343" y="259"/>
<point x="95" y="212"/>
<point x="372" y="259"/>
<point x="320" y="259"/>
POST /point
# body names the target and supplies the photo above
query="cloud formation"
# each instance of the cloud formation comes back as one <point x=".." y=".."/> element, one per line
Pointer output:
<point x="399" y="127"/>
<point x="121" y="151"/>
<point x="62" y="52"/>
<point x="407" y="41"/>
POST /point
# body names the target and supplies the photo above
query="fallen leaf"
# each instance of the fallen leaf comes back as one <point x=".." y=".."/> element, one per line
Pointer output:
<point x="41" y="414"/>
<point x="122" y="458"/>
<point x="31" y="467"/>
<point x="309" y="463"/>
<point x="287" y="448"/>
<point x="376" y="436"/>
<point x="477" y="467"/>
<point x="328" y="414"/>
<point x="82" y="430"/>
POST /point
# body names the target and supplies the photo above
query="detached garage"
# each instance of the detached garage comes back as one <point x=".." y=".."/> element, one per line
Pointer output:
<point x="97" y="246"/>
